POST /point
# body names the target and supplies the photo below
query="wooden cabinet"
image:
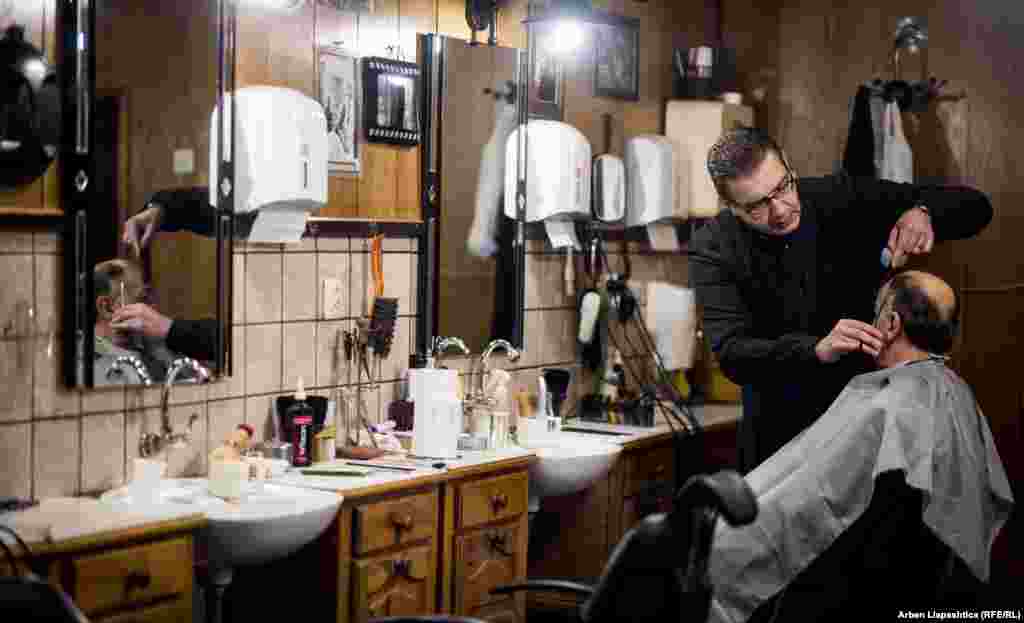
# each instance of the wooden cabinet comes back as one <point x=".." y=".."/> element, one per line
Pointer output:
<point x="387" y="544"/>
<point x="142" y="574"/>
<point x="486" y="531"/>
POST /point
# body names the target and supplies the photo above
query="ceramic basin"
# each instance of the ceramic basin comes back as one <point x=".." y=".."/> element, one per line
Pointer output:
<point x="568" y="463"/>
<point x="269" y="522"/>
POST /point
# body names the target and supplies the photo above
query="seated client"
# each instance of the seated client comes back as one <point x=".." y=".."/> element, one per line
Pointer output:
<point x="891" y="500"/>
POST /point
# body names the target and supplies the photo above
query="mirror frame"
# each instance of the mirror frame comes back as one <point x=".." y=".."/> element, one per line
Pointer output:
<point x="77" y="25"/>
<point x="431" y="90"/>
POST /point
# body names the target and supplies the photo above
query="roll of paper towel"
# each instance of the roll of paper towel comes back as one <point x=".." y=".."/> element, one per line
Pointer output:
<point x="437" y="412"/>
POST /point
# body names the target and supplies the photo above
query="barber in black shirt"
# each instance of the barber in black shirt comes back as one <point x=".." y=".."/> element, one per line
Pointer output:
<point x="787" y="275"/>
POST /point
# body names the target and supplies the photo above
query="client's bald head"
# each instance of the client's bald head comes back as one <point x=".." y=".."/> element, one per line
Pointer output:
<point x="927" y="308"/>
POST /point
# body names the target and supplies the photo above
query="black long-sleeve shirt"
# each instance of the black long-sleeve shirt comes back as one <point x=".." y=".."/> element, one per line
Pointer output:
<point x="768" y="300"/>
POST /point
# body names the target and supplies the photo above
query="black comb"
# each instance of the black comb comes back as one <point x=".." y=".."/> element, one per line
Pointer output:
<point x="382" y="325"/>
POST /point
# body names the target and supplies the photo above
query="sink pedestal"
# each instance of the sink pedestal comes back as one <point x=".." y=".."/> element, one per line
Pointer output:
<point x="216" y="584"/>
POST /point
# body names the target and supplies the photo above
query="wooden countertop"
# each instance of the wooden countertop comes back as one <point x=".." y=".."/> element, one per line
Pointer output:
<point x="109" y="537"/>
<point x="712" y="416"/>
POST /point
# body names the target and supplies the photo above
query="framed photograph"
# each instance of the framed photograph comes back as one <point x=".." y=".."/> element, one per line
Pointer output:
<point x="391" y="101"/>
<point x="546" y="93"/>
<point x="617" y="60"/>
<point x="339" y="95"/>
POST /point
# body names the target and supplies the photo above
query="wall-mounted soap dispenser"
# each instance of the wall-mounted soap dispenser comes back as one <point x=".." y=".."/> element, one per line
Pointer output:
<point x="558" y="160"/>
<point x="280" y="160"/>
<point x="609" y="188"/>
<point x="652" y="180"/>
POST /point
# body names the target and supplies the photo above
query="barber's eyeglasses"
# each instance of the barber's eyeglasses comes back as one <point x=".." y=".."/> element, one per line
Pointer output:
<point x="760" y="208"/>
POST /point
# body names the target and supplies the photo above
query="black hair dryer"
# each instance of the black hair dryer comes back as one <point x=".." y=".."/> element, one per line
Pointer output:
<point x="557" y="382"/>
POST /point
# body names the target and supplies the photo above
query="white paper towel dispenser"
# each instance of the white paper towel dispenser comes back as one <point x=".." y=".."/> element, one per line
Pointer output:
<point x="652" y="180"/>
<point x="557" y="174"/>
<point x="280" y="158"/>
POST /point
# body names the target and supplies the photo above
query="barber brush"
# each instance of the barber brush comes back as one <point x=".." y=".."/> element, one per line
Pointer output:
<point x="382" y="325"/>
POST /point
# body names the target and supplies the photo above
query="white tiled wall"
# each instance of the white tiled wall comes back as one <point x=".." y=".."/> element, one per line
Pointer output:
<point x="56" y="442"/>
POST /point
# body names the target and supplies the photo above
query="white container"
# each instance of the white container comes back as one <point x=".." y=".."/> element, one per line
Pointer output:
<point x="228" y="478"/>
<point x="695" y="126"/>
<point x="652" y="180"/>
<point x="609" y="179"/>
<point x="558" y="171"/>
<point x="146" y="475"/>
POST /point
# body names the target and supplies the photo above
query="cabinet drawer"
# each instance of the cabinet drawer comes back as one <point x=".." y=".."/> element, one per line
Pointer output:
<point x="399" y="584"/>
<point x="492" y="499"/>
<point x="655" y="465"/>
<point x="395" y="522"/>
<point x="133" y="575"/>
<point x="177" y="611"/>
<point x="486" y="559"/>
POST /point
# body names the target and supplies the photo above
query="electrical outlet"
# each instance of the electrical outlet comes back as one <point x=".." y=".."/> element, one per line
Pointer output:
<point x="333" y="299"/>
<point x="184" y="162"/>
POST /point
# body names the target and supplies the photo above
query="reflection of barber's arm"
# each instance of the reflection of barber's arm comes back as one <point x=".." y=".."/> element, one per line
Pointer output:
<point x="728" y="322"/>
<point x="186" y="209"/>
<point x="194" y="338"/>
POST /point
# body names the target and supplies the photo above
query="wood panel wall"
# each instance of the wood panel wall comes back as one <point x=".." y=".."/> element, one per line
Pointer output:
<point x="161" y="58"/>
<point x="41" y="196"/>
<point x="810" y="56"/>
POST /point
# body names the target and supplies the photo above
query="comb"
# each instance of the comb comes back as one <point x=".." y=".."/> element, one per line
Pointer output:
<point x="382" y="325"/>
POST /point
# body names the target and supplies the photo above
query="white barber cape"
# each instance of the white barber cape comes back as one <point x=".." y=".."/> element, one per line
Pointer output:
<point x="921" y="419"/>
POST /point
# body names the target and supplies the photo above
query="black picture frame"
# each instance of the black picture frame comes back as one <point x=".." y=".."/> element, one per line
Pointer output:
<point x="616" y="59"/>
<point x="546" y="85"/>
<point x="391" y="101"/>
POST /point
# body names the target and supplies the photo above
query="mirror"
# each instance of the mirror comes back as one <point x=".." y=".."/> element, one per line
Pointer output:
<point x="470" y="90"/>
<point x="143" y="153"/>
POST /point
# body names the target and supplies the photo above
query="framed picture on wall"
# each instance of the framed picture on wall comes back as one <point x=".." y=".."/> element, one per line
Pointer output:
<point x="339" y="91"/>
<point x="617" y="60"/>
<point x="546" y="96"/>
<point x="391" y="101"/>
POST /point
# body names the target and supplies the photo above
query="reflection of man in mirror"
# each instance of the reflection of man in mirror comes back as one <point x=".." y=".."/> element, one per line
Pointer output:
<point x="119" y="283"/>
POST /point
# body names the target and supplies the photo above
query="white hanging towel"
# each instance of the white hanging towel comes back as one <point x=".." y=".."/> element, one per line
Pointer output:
<point x="483" y="233"/>
<point x="897" y="159"/>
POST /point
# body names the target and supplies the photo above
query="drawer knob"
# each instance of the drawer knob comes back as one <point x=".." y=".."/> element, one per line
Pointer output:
<point x="499" y="544"/>
<point x="136" y="580"/>
<point x="659" y="470"/>
<point x="402" y="521"/>
<point x="499" y="501"/>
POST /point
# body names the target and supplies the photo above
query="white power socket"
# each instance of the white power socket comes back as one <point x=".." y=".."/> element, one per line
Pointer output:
<point x="184" y="162"/>
<point x="333" y="299"/>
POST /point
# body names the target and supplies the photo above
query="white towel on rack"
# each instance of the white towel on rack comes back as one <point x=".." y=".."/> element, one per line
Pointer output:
<point x="483" y="233"/>
<point x="897" y="159"/>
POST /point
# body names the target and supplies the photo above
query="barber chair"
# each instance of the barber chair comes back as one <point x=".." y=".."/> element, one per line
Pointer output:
<point x="24" y="596"/>
<point x="658" y="571"/>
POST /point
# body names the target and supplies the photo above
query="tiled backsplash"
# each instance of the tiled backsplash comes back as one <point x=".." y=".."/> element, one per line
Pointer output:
<point x="57" y="442"/>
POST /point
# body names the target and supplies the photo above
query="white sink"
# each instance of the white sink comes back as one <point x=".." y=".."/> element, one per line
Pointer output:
<point x="271" y="521"/>
<point x="568" y="463"/>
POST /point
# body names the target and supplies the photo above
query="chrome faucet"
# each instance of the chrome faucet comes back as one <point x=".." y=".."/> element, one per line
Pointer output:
<point x="135" y="363"/>
<point x="443" y="344"/>
<point x="482" y="367"/>
<point x="154" y="443"/>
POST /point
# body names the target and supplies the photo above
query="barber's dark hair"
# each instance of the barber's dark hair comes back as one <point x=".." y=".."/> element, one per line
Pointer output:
<point x="737" y="153"/>
<point x="926" y="324"/>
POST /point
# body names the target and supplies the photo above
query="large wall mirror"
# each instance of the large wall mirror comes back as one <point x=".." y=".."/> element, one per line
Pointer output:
<point x="143" y="91"/>
<point x="469" y="95"/>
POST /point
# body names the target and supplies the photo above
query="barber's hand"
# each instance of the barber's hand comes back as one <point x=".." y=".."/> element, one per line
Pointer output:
<point x="849" y="336"/>
<point x="139" y="229"/>
<point x="141" y="318"/>
<point x="912" y="235"/>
